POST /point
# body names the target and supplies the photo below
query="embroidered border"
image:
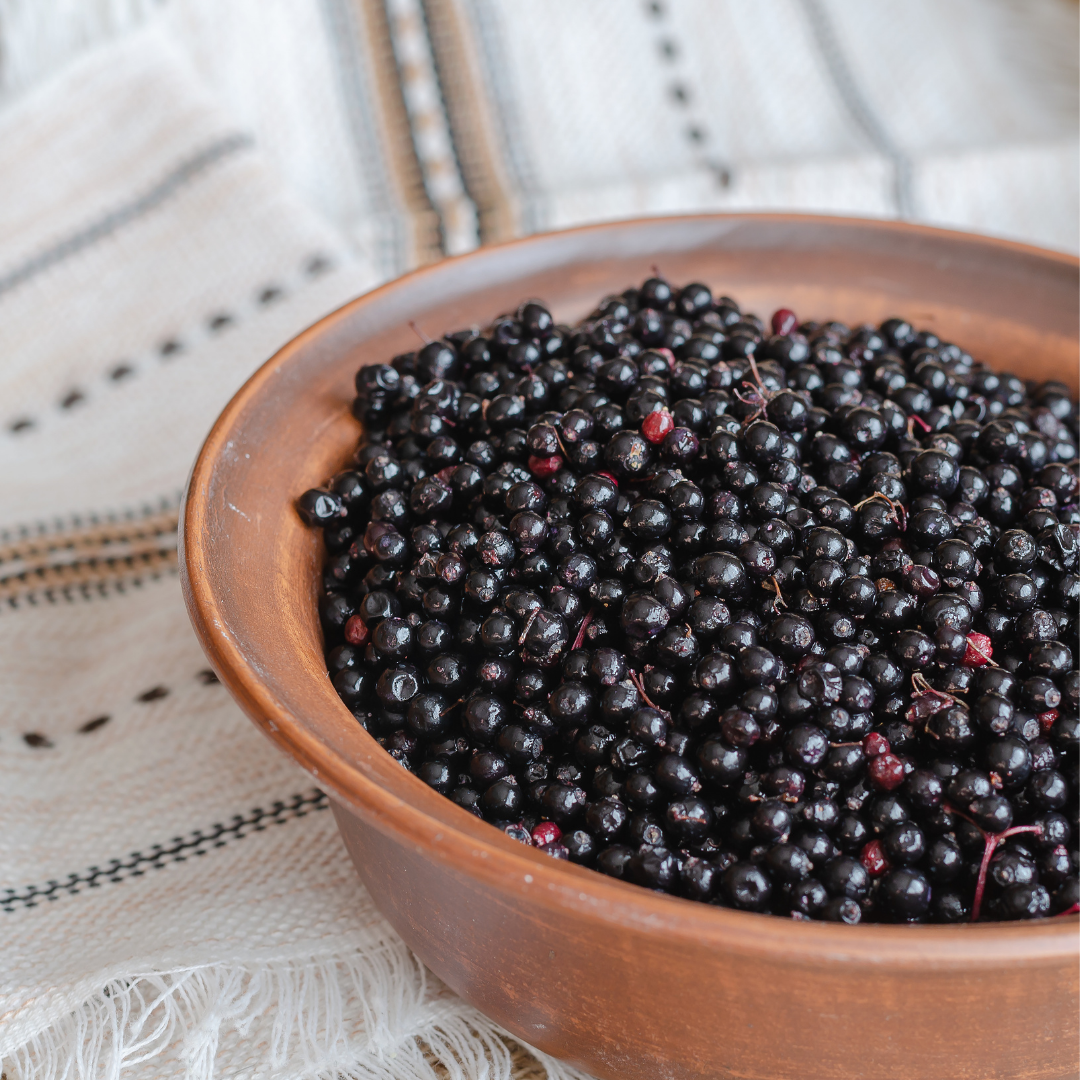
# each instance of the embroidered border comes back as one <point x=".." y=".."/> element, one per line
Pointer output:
<point x="359" y="44"/>
<point x="77" y="562"/>
<point x="179" y="849"/>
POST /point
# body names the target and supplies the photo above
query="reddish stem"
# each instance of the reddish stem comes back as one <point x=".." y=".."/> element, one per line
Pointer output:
<point x="776" y="588"/>
<point x="980" y="885"/>
<point x="582" y="628"/>
<point x="528" y="623"/>
<point x="992" y="842"/>
<point x="639" y="684"/>
<point x="897" y="508"/>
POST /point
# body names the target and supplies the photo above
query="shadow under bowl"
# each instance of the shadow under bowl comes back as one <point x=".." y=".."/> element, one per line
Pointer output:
<point x="619" y="980"/>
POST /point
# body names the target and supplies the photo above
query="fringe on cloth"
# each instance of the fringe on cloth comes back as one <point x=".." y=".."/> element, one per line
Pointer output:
<point x="371" y="1015"/>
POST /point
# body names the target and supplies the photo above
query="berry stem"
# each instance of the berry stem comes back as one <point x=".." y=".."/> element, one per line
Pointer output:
<point x="639" y="684"/>
<point x="580" y="636"/>
<point x="528" y="623"/>
<point x="775" y="586"/>
<point x="975" y="647"/>
<point x="993" y="840"/>
<point x="419" y="333"/>
<point x="897" y="508"/>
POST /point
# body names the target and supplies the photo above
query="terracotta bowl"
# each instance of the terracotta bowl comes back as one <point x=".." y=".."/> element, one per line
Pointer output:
<point x="611" y="977"/>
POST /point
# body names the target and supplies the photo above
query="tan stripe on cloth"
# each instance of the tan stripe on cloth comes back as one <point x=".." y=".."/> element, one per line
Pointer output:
<point x="472" y="118"/>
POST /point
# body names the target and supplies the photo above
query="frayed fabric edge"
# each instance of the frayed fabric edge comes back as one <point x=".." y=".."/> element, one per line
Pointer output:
<point x="370" y="1015"/>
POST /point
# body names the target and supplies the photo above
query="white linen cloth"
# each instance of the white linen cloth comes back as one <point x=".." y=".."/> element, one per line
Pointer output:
<point x="541" y="114"/>
<point x="174" y="897"/>
<point x="201" y="180"/>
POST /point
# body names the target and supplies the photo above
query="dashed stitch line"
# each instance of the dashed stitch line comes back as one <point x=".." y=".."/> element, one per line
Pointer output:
<point x="38" y="741"/>
<point x="682" y="98"/>
<point x="177" y="850"/>
<point x="217" y="322"/>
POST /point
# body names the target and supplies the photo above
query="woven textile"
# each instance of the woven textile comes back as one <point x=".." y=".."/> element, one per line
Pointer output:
<point x="420" y="127"/>
<point x="186" y="185"/>
<point x="175" y="898"/>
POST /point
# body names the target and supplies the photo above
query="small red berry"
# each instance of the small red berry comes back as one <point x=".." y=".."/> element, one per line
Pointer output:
<point x="979" y="650"/>
<point x="609" y="476"/>
<point x="886" y="771"/>
<point x="1047" y="720"/>
<point x="784" y="321"/>
<point x="668" y="355"/>
<point x="544" y="467"/>
<point x="547" y="832"/>
<point x="657" y="425"/>
<point x="873" y="859"/>
<point x="356" y="631"/>
<point x="875" y="744"/>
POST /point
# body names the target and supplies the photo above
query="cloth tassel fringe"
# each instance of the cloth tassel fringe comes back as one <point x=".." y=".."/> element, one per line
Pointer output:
<point x="372" y="1015"/>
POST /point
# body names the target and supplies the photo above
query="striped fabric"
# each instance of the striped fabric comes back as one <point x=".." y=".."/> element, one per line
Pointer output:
<point x="185" y="185"/>
<point x="423" y="127"/>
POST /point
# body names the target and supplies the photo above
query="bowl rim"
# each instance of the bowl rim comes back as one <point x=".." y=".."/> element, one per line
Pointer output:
<point x="451" y="834"/>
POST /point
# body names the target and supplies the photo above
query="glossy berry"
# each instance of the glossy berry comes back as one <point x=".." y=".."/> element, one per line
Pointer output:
<point x="657" y="426"/>
<point x="783" y="321"/>
<point x="979" y="650"/>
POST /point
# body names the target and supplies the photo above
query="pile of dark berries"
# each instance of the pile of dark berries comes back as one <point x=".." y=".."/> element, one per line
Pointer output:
<point x="774" y="617"/>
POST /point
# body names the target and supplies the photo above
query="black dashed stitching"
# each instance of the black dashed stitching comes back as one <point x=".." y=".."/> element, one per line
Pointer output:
<point x="198" y="843"/>
<point x="314" y="267"/>
<point x="39" y="741"/>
